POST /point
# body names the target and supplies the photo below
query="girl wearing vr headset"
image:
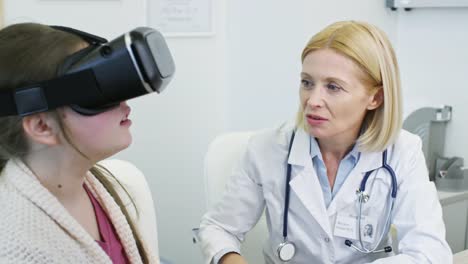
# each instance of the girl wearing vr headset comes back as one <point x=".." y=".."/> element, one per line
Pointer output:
<point x="58" y="205"/>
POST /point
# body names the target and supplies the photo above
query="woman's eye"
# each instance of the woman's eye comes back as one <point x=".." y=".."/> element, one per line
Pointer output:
<point x="306" y="84"/>
<point x="333" y="87"/>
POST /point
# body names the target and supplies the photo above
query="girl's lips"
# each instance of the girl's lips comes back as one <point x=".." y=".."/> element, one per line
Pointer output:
<point x="126" y="122"/>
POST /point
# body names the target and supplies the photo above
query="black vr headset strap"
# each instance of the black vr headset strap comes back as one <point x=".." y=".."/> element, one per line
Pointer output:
<point x="77" y="88"/>
<point x="90" y="38"/>
<point x="73" y="58"/>
<point x="7" y="104"/>
<point x="93" y="41"/>
<point x="80" y="88"/>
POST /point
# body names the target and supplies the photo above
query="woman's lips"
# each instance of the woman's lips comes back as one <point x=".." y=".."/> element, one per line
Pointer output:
<point x="315" y="120"/>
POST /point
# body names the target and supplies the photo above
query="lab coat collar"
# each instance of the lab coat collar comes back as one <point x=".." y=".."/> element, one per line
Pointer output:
<point x="300" y="154"/>
<point x="304" y="181"/>
<point x="305" y="184"/>
<point x="301" y="149"/>
<point x="369" y="161"/>
<point x="315" y="151"/>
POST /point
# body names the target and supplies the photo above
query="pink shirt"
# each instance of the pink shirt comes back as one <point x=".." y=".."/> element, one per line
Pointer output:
<point x="110" y="241"/>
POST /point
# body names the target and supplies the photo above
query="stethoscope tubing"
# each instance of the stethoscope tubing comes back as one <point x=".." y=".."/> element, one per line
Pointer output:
<point x="363" y="248"/>
<point x="361" y="190"/>
<point x="389" y="169"/>
<point x="287" y="191"/>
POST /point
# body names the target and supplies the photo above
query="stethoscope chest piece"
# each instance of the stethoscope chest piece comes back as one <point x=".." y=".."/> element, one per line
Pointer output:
<point x="286" y="251"/>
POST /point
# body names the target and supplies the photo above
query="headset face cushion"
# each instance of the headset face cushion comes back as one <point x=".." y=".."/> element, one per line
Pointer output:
<point x="90" y="111"/>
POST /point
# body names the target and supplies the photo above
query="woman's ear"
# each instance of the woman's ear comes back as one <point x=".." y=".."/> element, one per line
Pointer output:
<point x="41" y="128"/>
<point x="376" y="99"/>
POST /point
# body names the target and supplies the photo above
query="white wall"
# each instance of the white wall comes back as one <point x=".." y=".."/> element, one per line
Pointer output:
<point x="264" y="43"/>
<point x="433" y="55"/>
<point x="108" y="18"/>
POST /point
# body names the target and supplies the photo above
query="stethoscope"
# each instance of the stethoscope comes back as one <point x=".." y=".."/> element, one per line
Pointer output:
<point x="287" y="249"/>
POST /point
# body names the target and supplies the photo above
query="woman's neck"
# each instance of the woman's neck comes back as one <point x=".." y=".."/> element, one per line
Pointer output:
<point x="336" y="148"/>
<point x="59" y="172"/>
<point x="333" y="150"/>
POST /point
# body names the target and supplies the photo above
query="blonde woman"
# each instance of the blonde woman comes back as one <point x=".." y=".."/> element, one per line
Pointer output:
<point x="57" y="205"/>
<point x="345" y="164"/>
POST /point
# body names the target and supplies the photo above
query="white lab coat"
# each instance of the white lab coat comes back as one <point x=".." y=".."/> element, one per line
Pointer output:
<point x="258" y="183"/>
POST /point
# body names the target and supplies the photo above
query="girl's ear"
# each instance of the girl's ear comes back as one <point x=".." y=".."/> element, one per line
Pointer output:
<point x="42" y="128"/>
<point x="376" y="99"/>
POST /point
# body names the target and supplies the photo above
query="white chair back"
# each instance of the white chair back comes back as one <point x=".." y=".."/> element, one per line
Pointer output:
<point x="223" y="154"/>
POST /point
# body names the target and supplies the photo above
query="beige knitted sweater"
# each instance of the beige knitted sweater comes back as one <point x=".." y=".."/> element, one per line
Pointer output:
<point x="36" y="228"/>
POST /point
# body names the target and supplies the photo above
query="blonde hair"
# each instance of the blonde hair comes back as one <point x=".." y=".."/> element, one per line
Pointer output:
<point x="370" y="49"/>
<point x="31" y="53"/>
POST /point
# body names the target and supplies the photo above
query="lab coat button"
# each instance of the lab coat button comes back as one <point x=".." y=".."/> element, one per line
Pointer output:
<point x="326" y="239"/>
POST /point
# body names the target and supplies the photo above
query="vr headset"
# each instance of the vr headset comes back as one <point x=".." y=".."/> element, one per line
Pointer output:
<point x="98" y="77"/>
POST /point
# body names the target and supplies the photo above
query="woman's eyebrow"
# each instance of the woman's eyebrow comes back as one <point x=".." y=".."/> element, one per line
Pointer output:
<point x="305" y="74"/>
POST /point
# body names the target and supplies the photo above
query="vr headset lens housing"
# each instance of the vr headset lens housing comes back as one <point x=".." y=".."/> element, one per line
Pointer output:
<point x="134" y="64"/>
<point x="99" y="77"/>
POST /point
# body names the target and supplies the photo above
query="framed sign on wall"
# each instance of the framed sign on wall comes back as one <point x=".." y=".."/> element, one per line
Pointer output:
<point x="1" y="14"/>
<point x="182" y="18"/>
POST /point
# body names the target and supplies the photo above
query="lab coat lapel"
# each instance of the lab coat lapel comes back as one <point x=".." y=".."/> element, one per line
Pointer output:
<point x="304" y="181"/>
<point x="347" y="193"/>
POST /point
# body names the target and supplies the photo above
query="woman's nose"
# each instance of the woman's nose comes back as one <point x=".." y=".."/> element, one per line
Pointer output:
<point x="316" y="97"/>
